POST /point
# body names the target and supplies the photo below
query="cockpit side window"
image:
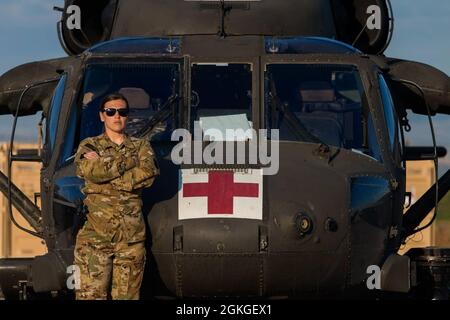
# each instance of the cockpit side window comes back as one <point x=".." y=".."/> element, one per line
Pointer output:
<point x="389" y="112"/>
<point x="320" y="104"/>
<point x="55" y="109"/>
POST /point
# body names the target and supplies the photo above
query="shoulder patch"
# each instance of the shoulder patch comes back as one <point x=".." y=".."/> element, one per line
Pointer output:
<point x="87" y="141"/>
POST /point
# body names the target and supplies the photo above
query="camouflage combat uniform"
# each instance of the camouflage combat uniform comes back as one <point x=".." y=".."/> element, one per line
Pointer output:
<point x="111" y="243"/>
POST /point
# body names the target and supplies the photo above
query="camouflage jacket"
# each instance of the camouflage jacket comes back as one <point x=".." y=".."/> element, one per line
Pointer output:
<point x="113" y="184"/>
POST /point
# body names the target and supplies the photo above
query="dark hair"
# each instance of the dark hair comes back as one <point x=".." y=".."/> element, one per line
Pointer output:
<point x="112" y="97"/>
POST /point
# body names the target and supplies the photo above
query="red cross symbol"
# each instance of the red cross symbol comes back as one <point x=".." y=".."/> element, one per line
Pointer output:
<point x="221" y="190"/>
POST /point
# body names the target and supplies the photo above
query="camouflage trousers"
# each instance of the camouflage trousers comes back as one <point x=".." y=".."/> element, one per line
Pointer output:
<point x="101" y="261"/>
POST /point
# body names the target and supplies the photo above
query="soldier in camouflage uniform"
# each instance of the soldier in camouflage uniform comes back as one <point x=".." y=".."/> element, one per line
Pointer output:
<point x="110" y="245"/>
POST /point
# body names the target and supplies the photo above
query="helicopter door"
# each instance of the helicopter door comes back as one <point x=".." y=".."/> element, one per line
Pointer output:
<point x="26" y="90"/>
<point x="153" y="89"/>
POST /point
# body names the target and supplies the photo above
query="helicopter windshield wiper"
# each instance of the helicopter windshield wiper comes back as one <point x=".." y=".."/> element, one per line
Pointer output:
<point x="299" y="130"/>
<point x="323" y="150"/>
<point x="160" y="116"/>
<point x="294" y="125"/>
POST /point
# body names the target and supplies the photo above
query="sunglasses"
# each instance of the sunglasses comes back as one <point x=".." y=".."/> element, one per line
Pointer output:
<point x="110" y="112"/>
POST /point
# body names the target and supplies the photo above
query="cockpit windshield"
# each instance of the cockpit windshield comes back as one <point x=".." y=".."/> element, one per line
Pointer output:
<point x="221" y="97"/>
<point x="147" y="88"/>
<point x="320" y="104"/>
<point x="150" y="89"/>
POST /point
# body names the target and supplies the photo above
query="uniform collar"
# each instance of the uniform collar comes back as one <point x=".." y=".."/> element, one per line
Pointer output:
<point x="127" y="142"/>
<point x="106" y="142"/>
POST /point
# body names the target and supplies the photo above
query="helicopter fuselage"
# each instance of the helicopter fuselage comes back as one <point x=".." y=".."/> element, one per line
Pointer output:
<point x="330" y="211"/>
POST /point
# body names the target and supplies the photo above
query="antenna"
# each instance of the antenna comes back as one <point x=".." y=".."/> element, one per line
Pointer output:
<point x="224" y="11"/>
<point x="225" y="7"/>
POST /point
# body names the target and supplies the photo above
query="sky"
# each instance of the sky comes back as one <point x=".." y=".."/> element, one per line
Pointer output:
<point x="422" y="33"/>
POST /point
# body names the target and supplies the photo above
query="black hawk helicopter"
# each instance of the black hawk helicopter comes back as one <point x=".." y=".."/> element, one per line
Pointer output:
<point x="313" y="70"/>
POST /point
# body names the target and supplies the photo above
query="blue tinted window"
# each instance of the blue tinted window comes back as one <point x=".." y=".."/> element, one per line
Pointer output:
<point x="305" y="45"/>
<point x="367" y="191"/>
<point x="138" y="45"/>
<point x="374" y="147"/>
<point x="389" y="113"/>
<point x="69" y="140"/>
<point x="55" y="109"/>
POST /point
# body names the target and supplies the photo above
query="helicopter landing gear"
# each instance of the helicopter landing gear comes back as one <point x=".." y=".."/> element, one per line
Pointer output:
<point x="23" y="291"/>
<point x="433" y="273"/>
<point x="2" y="296"/>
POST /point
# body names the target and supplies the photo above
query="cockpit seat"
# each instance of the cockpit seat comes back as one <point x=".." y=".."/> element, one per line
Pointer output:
<point x="319" y="96"/>
<point x="140" y="109"/>
<point x="137" y="98"/>
<point x="320" y="112"/>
